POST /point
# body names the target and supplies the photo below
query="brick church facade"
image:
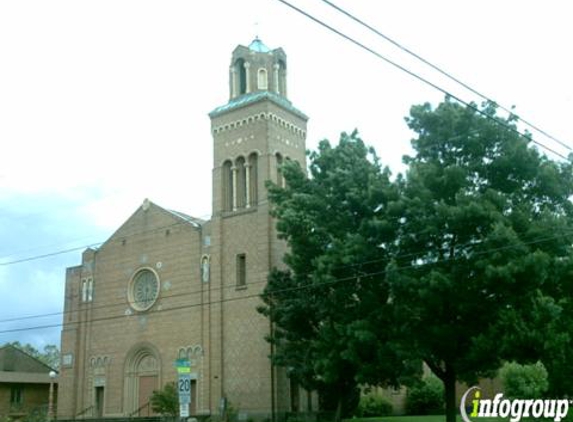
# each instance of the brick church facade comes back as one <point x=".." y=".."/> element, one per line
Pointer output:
<point x="167" y="286"/>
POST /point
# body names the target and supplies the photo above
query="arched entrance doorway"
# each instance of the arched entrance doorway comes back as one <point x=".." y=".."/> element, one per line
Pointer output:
<point x="142" y="377"/>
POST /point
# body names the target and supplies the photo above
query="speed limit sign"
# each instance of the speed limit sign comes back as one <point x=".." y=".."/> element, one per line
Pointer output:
<point x="184" y="387"/>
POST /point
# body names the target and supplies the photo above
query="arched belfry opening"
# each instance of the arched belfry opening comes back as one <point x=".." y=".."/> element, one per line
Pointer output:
<point x="282" y="84"/>
<point x="240" y="182"/>
<point x="240" y="77"/>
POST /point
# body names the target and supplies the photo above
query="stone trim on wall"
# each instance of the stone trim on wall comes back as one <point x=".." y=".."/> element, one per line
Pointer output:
<point x="261" y="116"/>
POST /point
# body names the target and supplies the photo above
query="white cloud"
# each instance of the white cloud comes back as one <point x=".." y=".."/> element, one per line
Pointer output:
<point x="37" y="294"/>
<point x="105" y="103"/>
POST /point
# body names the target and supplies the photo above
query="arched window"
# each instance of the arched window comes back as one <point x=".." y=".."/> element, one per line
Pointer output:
<point x="205" y="271"/>
<point x="142" y="375"/>
<point x="84" y="289"/>
<point x="241" y="189"/>
<point x="262" y="80"/>
<point x="227" y="179"/>
<point x="90" y="290"/>
<point x="241" y="73"/>
<point x="253" y="181"/>
<point x="182" y="353"/>
<point x="280" y="177"/>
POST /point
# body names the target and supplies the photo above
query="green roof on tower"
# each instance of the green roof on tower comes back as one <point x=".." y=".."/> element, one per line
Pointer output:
<point x="253" y="97"/>
<point x="258" y="46"/>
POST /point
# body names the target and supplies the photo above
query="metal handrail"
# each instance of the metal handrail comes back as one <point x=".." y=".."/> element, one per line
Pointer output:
<point x="83" y="412"/>
<point x="138" y="410"/>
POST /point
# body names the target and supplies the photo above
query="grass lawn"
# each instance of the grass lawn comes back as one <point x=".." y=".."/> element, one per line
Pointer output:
<point x="430" y="418"/>
<point x="442" y="418"/>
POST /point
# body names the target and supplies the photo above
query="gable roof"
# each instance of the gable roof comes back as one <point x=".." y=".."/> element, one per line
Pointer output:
<point x="197" y="222"/>
<point x="13" y="359"/>
<point x="176" y="216"/>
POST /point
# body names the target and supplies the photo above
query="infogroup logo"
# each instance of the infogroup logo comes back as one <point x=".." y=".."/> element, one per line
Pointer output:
<point x="514" y="409"/>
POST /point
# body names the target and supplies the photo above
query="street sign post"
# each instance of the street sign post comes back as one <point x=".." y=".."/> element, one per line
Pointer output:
<point x="184" y="410"/>
<point x="184" y="386"/>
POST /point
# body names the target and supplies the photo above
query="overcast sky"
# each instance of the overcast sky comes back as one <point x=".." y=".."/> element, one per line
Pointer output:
<point x="104" y="103"/>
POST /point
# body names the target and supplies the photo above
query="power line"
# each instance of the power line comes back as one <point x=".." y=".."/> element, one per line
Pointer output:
<point x="137" y="233"/>
<point x="51" y="246"/>
<point x="263" y="281"/>
<point x="361" y="22"/>
<point x="214" y="302"/>
<point x="181" y="221"/>
<point x="91" y="245"/>
<point x="443" y="72"/>
<point x="418" y="77"/>
<point x="257" y="295"/>
<point x="71" y="241"/>
<point x="97" y="244"/>
<point x="50" y="254"/>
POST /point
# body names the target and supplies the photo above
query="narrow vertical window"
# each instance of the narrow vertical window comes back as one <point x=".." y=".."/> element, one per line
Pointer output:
<point x="253" y="181"/>
<point x="233" y="81"/>
<point x="227" y="177"/>
<point x="241" y="183"/>
<point x="241" y="270"/>
<point x="280" y="178"/>
<point x="90" y="290"/>
<point x="276" y="78"/>
<point x="205" y="271"/>
<point x="84" y="290"/>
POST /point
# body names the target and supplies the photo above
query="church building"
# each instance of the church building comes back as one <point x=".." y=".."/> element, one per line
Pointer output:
<point x="167" y="286"/>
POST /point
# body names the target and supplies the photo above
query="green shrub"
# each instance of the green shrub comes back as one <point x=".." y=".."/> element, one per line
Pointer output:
<point x="426" y="397"/>
<point x="166" y="401"/>
<point x="524" y="381"/>
<point x="373" y="405"/>
<point x="39" y="414"/>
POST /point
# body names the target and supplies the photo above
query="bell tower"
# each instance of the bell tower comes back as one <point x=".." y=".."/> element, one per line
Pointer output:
<point x="253" y="133"/>
<point x="250" y="72"/>
<point x="257" y="129"/>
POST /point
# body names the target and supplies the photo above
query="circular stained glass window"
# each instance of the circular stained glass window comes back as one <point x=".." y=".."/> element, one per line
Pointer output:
<point x="143" y="290"/>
